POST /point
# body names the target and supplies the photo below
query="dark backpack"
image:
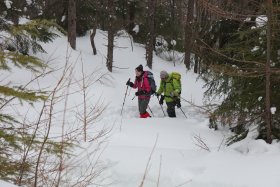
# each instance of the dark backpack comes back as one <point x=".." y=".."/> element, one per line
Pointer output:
<point x="152" y="82"/>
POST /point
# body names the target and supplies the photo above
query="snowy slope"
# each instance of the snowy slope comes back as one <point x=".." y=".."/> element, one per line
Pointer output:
<point x="6" y="184"/>
<point x="177" y="159"/>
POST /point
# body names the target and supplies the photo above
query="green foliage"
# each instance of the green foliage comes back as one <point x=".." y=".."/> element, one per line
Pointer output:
<point x="10" y="144"/>
<point x="21" y="94"/>
<point x="18" y="43"/>
<point x="28" y="35"/>
<point x="86" y="16"/>
<point x="7" y="119"/>
<point x="237" y="137"/>
<point x="19" y="60"/>
<point x="55" y="148"/>
<point x="169" y="26"/>
<point x="237" y="73"/>
<point x="9" y="168"/>
<point x="23" y="40"/>
<point x="16" y="51"/>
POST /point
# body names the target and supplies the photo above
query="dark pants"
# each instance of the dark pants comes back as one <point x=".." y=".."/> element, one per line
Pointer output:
<point x="142" y="105"/>
<point x="171" y="109"/>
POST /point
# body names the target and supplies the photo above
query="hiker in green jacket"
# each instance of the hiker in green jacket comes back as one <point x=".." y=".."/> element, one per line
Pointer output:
<point x="170" y="85"/>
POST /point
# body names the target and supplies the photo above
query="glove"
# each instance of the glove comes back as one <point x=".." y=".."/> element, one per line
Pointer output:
<point x="178" y="103"/>
<point x="161" y="100"/>
<point x="141" y="92"/>
<point x="128" y="83"/>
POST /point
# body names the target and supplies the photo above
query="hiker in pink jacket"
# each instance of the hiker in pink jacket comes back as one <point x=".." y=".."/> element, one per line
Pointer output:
<point x="144" y="90"/>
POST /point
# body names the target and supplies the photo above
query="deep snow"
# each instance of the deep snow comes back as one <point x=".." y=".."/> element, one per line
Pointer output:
<point x="177" y="160"/>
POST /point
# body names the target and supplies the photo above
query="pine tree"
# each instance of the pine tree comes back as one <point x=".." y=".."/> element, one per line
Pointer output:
<point x="18" y="43"/>
<point x="235" y="51"/>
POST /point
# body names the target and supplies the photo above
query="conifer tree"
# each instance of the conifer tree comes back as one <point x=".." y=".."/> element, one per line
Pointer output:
<point x="18" y="43"/>
<point x="235" y="51"/>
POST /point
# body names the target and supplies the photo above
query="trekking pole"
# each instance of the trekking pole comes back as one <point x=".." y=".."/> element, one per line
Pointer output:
<point x="151" y="111"/>
<point x="183" y="99"/>
<point x="180" y="106"/>
<point x="124" y="97"/>
<point x="161" y="108"/>
<point x="186" y="101"/>
<point x="133" y="97"/>
<point x="183" y="112"/>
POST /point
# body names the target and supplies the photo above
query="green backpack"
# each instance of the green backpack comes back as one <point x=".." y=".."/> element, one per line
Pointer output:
<point x="177" y="76"/>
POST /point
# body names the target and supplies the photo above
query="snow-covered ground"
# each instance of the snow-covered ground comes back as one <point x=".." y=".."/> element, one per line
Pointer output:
<point x="6" y="184"/>
<point x="166" y="151"/>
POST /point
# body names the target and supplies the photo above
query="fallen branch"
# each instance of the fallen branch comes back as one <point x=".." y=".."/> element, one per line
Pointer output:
<point x="201" y="143"/>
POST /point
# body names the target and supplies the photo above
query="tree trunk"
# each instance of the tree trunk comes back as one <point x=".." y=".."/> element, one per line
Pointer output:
<point x="110" y="49"/>
<point x="92" y="35"/>
<point x="172" y="11"/>
<point x="179" y="5"/>
<point x="72" y="23"/>
<point x="123" y="8"/>
<point x="268" y="73"/>
<point x="131" y="15"/>
<point x="151" y="32"/>
<point x="196" y="66"/>
<point x="188" y="34"/>
<point x="100" y="13"/>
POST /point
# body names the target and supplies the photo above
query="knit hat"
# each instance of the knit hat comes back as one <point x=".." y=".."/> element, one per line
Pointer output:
<point x="163" y="74"/>
<point x="139" y="68"/>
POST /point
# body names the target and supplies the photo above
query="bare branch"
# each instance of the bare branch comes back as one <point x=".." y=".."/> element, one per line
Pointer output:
<point x="201" y="143"/>
<point x="148" y="163"/>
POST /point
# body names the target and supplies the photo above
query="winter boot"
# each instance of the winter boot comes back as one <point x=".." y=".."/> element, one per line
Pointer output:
<point x="145" y="115"/>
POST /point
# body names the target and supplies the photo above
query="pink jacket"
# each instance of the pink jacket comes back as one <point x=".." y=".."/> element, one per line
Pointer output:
<point x="143" y="84"/>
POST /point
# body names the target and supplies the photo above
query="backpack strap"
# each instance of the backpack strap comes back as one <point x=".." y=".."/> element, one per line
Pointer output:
<point x="142" y="82"/>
